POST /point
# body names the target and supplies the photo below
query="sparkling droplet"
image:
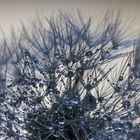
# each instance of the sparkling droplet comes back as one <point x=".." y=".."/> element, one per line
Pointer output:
<point x="75" y="100"/>
<point x="88" y="54"/>
<point x="27" y="53"/>
<point x="55" y="106"/>
<point x="100" y="99"/>
<point x="107" y="118"/>
<point x="57" y="55"/>
<point x="11" y="116"/>
<point x="61" y="122"/>
<point x="38" y="100"/>
<point x="91" y="137"/>
<point x="48" y="125"/>
<point x="121" y="78"/>
<point x="41" y="85"/>
<point x="99" y="123"/>
<point x="79" y="71"/>
<point x="88" y="87"/>
<point x="70" y="74"/>
<point x="117" y="89"/>
<point x="137" y="108"/>
<point x="10" y="133"/>
<point x="56" y="134"/>
<point x="127" y="126"/>
<point x="89" y="102"/>
<point x="126" y="104"/>
<point x="2" y="98"/>
<point x="117" y="126"/>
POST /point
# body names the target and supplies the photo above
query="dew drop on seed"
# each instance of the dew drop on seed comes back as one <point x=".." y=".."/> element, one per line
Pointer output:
<point x="27" y="53"/>
<point x="2" y="98"/>
<point x="117" y="126"/>
<point x="91" y="137"/>
<point x="126" y="104"/>
<point x="61" y="121"/>
<point x="121" y="78"/>
<point x="88" y="87"/>
<point x="70" y="74"/>
<point x="88" y="54"/>
<point x="137" y="108"/>
<point x="127" y="126"/>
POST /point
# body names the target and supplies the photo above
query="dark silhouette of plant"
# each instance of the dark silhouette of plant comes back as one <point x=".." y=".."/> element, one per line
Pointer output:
<point x="65" y="83"/>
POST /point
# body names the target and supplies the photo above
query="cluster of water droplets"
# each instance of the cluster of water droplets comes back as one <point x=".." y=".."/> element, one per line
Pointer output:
<point x="63" y="88"/>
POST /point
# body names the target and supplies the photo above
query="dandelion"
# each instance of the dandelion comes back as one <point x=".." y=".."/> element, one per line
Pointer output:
<point x="59" y="86"/>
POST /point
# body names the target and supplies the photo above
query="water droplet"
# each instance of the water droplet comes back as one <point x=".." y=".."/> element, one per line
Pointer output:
<point x="127" y="126"/>
<point x="79" y="71"/>
<point x="25" y="93"/>
<point x="66" y="61"/>
<point x="107" y="118"/>
<point x="56" y="134"/>
<point x="114" y="45"/>
<point x="36" y="61"/>
<point x="117" y="89"/>
<point x="10" y="133"/>
<point x="89" y="102"/>
<point x="26" y="63"/>
<point x="117" y="126"/>
<point x="16" y="104"/>
<point x="99" y="123"/>
<point x="70" y="74"/>
<point x="70" y="107"/>
<point x="9" y="125"/>
<point x="38" y="100"/>
<point x="100" y="99"/>
<point x="88" y="87"/>
<point x="130" y="77"/>
<point x="121" y="78"/>
<point x="91" y="137"/>
<point x="27" y="53"/>
<point x="57" y="55"/>
<point x="126" y="104"/>
<point x="137" y="108"/>
<point x="88" y="54"/>
<point x="29" y="115"/>
<point x="74" y="58"/>
<point x="41" y="85"/>
<point x="2" y="98"/>
<point x="61" y="121"/>
<point x="11" y="116"/>
<point x="55" y="106"/>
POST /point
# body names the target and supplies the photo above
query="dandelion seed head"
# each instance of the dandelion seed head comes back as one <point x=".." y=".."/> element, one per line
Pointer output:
<point x="59" y="85"/>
